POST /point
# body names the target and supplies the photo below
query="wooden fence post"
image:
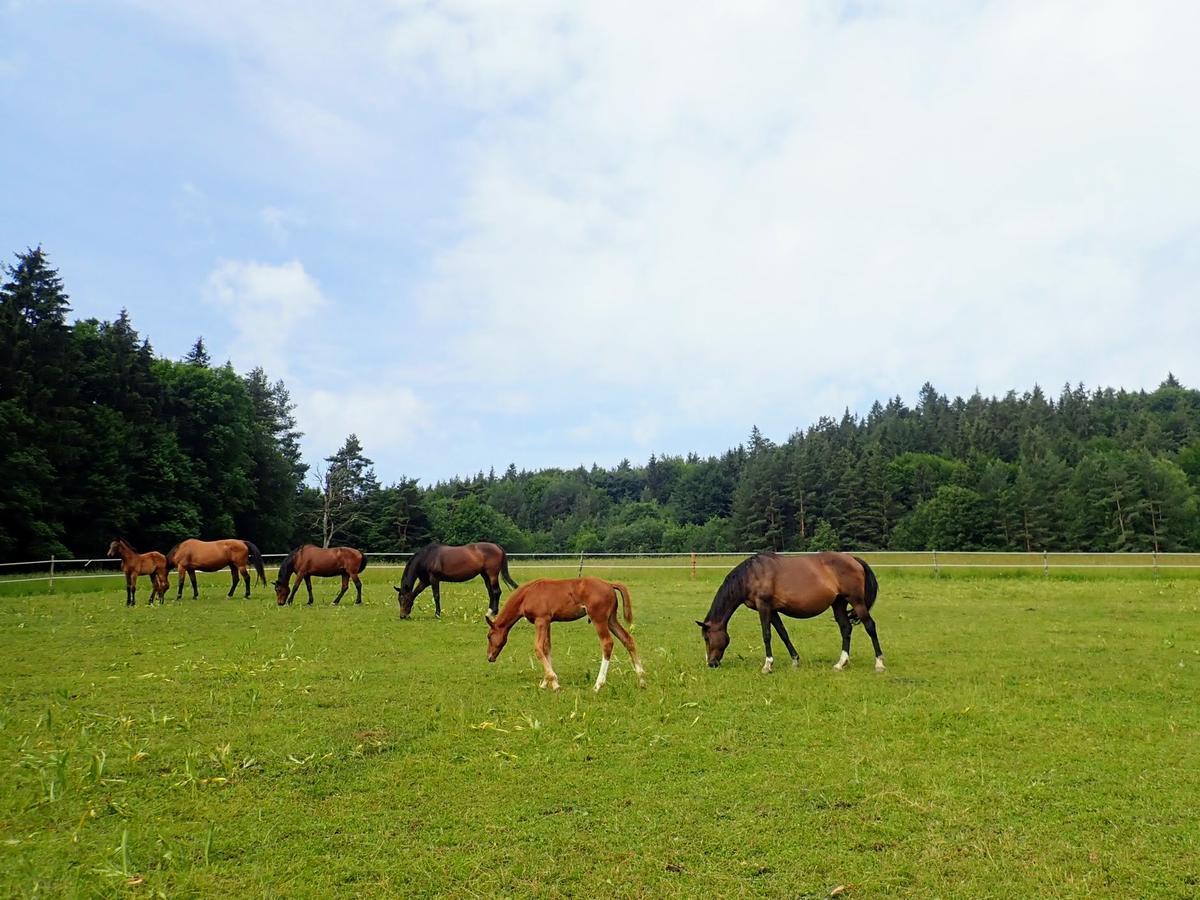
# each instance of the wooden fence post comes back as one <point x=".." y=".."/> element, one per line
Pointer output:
<point x="693" y="565"/>
<point x="935" y="563"/>
<point x="1045" y="564"/>
<point x="580" y="575"/>
<point x="52" y="571"/>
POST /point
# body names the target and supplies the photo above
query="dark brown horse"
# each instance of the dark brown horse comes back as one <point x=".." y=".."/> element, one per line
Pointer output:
<point x="432" y="565"/>
<point x="324" y="562"/>
<point x="549" y="600"/>
<point x="192" y="555"/>
<point x="797" y="586"/>
<point x="134" y="564"/>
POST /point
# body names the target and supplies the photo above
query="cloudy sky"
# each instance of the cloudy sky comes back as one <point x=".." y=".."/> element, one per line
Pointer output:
<point x="551" y="234"/>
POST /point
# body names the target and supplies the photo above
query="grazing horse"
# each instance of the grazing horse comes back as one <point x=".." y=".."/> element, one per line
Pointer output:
<point x="210" y="556"/>
<point x="134" y="564"/>
<point x="435" y="563"/>
<point x="324" y="562"/>
<point x="549" y="600"/>
<point x="797" y="586"/>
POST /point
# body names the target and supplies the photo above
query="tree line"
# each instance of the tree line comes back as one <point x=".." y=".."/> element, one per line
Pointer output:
<point x="99" y="437"/>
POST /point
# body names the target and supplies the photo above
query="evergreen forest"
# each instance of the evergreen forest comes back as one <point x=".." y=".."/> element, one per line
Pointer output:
<point x="100" y="437"/>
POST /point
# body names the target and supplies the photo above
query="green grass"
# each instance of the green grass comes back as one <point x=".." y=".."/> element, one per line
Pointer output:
<point x="1032" y="737"/>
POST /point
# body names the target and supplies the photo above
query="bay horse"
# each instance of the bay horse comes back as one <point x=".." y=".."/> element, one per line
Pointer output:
<point x="797" y="586"/>
<point x="134" y="565"/>
<point x="435" y="563"/>
<point x="549" y="600"/>
<point x="325" y="562"/>
<point x="192" y="555"/>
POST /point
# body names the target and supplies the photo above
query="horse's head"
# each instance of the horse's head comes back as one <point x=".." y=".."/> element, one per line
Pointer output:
<point x="716" y="639"/>
<point x="404" y="596"/>
<point x="281" y="592"/>
<point x="497" y="638"/>
<point x="114" y="549"/>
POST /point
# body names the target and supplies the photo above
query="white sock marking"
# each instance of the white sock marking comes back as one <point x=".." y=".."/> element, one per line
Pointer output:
<point x="603" y="676"/>
<point x="842" y="660"/>
<point x="879" y="666"/>
<point x="767" y="665"/>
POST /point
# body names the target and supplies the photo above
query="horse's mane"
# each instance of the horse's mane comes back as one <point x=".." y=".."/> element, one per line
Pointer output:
<point x="420" y="558"/>
<point x="285" y="568"/>
<point x="122" y="540"/>
<point x="734" y="588"/>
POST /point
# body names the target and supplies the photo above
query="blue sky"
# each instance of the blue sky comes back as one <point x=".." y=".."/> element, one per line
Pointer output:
<point x="553" y="235"/>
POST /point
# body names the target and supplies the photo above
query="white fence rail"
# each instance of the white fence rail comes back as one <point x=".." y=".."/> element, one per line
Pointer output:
<point x="51" y="570"/>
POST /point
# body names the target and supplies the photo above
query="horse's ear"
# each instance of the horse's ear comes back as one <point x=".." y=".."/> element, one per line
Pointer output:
<point x="488" y="619"/>
<point x="703" y="625"/>
<point x="396" y="589"/>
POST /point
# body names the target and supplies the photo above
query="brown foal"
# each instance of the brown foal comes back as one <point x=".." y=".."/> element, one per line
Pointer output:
<point x="134" y="564"/>
<point x="552" y="600"/>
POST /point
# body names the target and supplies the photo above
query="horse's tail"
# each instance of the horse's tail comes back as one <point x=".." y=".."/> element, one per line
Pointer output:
<point x="504" y="570"/>
<point x="256" y="558"/>
<point x="625" y="601"/>
<point x="171" y="557"/>
<point x="362" y="561"/>
<point x="870" y="585"/>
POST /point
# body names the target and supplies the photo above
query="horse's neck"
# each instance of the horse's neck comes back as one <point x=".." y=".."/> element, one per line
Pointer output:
<point x="722" y="615"/>
<point x="125" y="551"/>
<point x="509" y="615"/>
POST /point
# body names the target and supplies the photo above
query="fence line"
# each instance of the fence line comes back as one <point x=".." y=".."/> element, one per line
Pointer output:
<point x="932" y="560"/>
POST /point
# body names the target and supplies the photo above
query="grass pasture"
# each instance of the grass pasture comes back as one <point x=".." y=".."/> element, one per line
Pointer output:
<point x="1032" y="737"/>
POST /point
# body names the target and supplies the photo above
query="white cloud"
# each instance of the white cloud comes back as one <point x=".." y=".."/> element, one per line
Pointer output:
<point x="387" y="420"/>
<point x="724" y="213"/>
<point x="278" y="223"/>
<point x="266" y="305"/>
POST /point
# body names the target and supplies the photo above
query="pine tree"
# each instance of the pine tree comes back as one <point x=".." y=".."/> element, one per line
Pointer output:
<point x="198" y="355"/>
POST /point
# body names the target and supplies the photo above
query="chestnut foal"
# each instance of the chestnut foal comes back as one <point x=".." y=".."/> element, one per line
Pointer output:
<point x="565" y="600"/>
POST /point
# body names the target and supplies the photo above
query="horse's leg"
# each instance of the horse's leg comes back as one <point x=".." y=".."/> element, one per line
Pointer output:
<point x="864" y="616"/>
<point x="627" y="639"/>
<point x="195" y="590"/>
<point x="541" y="646"/>
<point x="130" y="589"/>
<point x="493" y="589"/>
<point x="295" y="590"/>
<point x="437" y="598"/>
<point x="764" y="616"/>
<point x="345" y="585"/>
<point x="233" y="587"/>
<point x="308" y="585"/>
<point x="606" y="645"/>
<point x="182" y="575"/>
<point x="246" y="578"/>
<point x="843" y="621"/>
<point x="357" y="589"/>
<point x="783" y="636"/>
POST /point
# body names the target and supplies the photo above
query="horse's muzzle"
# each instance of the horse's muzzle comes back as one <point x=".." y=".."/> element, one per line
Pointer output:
<point x="714" y="664"/>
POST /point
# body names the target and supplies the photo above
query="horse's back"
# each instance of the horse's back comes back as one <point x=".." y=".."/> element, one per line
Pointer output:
<point x="198" y="554"/>
<point x="807" y="585"/>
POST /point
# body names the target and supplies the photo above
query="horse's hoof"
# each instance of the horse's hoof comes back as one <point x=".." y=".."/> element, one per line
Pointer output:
<point x="768" y="666"/>
<point x="879" y="666"/>
<point x="795" y="662"/>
